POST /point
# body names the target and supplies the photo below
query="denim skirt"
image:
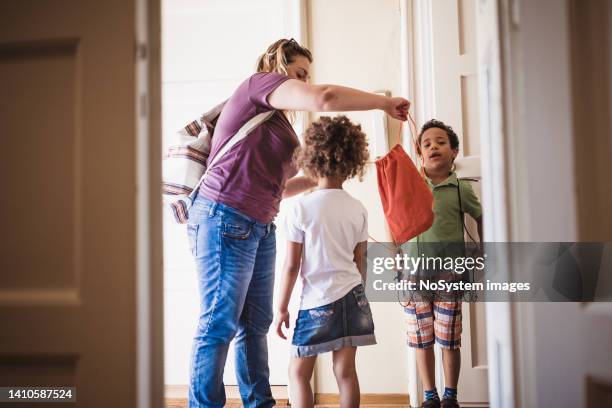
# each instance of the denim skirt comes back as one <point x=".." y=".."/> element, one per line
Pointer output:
<point x="343" y="323"/>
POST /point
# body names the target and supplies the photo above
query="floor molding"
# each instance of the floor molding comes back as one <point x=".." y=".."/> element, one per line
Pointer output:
<point x="366" y="399"/>
<point x="176" y="397"/>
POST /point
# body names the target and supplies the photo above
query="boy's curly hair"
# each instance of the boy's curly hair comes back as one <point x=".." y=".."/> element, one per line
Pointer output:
<point x="333" y="147"/>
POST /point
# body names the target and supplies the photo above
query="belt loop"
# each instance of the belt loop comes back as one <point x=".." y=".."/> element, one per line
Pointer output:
<point x="211" y="211"/>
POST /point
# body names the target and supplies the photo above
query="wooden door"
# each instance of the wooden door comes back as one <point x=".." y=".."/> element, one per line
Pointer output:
<point x="73" y="259"/>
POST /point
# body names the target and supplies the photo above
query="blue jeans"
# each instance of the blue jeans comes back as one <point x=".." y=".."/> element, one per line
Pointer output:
<point x="235" y="259"/>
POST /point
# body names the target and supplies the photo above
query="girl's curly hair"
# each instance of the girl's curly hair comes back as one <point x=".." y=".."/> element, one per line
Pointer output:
<point x="333" y="147"/>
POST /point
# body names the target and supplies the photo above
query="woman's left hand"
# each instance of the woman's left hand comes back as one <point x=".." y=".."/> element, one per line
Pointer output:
<point x="297" y="185"/>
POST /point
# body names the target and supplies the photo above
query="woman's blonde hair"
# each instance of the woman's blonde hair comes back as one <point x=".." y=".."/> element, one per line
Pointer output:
<point x="280" y="54"/>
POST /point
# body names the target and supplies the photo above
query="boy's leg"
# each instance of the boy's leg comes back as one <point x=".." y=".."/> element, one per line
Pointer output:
<point x="419" y="316"/>
<point x="451" y="360"/>
<point x="426" y="365"/>
<point x="300" y="373"/>
<point x="448" y="327"/>
<point x="346" y="376"/>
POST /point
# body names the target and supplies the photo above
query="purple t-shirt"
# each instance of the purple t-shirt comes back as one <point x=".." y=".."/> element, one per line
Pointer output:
<point x="251" y="176"/>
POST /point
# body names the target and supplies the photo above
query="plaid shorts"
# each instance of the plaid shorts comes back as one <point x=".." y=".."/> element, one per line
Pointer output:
<point x="429" y="319"/>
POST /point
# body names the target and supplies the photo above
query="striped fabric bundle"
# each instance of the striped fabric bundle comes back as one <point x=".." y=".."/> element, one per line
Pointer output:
<point x="184" y="165"/>
<point x="185" y="162"/>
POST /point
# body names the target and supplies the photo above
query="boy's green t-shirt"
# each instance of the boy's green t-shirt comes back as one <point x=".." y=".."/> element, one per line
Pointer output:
<point x="447" y="225"/>
<point x="445" y="237"/>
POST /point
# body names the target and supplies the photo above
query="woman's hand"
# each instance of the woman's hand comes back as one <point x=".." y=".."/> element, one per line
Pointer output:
<point x="297" y="185"/>
<point x="397" y="108"/>
<point x="281" y="317"/>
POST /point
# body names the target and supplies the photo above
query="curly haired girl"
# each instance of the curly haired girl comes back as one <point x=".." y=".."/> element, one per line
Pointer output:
<point x="327" y="232"/>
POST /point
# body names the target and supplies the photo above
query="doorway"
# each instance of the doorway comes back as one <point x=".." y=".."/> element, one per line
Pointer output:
<point x="209" y="48"/>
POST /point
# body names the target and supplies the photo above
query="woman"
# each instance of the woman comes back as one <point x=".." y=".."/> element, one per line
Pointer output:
<point x="230" y="226"/>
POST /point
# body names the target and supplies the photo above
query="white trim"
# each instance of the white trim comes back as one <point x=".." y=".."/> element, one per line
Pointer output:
<point x="496" y="124"/>
<point x="407" y="65"/>
<point x="425" y="95"/>
<point x="300" y="21"/>
<point x="149" y="273"/>
<point x="299" y="28"/>
<point x="418" y="85"/>
<point x="296" y="13"/>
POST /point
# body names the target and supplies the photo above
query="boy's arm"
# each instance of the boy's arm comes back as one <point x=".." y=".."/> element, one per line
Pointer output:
<point x="291" y="269"/>
<point x="360" y="258"/>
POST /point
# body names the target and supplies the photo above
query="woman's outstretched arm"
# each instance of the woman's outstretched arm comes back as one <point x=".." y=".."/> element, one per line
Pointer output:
<point x="300" y="96"/>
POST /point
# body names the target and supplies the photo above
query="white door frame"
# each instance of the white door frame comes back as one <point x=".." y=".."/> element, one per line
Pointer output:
<point x="149" y="254"/>
<point x="417" y="84"/>
<point x="493" y="36"/>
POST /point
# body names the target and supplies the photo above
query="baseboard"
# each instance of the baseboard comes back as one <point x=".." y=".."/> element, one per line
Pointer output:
<point x="176" y="397"/>
<point x="366" y="399"/>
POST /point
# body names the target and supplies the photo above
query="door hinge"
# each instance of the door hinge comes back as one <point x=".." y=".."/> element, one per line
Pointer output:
<point x="140" y="50"/>
<point x="515" y="12"/>
<point x="144" y="105"/>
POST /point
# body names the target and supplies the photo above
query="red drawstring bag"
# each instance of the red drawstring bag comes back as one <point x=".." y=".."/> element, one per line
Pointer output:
<point x="407" y="200"/>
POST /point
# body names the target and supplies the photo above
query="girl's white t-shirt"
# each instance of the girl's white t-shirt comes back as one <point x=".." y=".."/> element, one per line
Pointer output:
<point x="329" y="223"/>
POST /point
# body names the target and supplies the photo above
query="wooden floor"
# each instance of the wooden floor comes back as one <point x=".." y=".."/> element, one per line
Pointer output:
<point x="176" y="398"/>
<point x="182" y="403"/>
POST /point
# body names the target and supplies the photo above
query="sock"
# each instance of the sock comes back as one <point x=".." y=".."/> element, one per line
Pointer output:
<point x="450" y="393"/>
<point x="432" y="394"/>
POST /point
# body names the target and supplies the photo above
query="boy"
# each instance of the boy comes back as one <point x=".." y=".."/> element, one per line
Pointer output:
<point x="438" y="146"/>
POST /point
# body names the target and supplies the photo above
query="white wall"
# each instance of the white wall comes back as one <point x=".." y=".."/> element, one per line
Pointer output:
<point x="356" y="43"/>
